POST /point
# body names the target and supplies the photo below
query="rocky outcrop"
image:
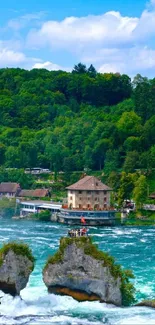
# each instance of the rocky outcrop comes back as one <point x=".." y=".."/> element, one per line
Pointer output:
<point x="80" y="270"/>
<point x="146" y="303"/>
<point x="16" y="265"/>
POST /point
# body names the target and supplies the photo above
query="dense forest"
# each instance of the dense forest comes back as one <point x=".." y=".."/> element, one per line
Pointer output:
<point x="71" y="121"/>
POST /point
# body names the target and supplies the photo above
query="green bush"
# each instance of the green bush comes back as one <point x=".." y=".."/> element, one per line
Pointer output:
<point x="44" y="215"/>
<point x="6" y="203"/>
<point x="19" y="249"/>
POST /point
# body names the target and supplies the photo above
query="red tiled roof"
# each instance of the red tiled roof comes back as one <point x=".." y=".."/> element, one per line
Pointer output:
<point x="34" y="193"/>
<point x="9" y="187"/>
<point x="40" y="192"/>
<point x="152" y="195"/>
<point x="26" y="193"/>
<point x="89" y="183"/>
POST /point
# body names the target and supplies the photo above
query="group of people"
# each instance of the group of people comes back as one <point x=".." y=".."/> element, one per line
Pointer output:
<point x="77" y="232"/>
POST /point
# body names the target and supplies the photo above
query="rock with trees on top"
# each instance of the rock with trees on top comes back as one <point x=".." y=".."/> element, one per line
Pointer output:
<point x="80" y="270"/>
<point x="16" y="265"/>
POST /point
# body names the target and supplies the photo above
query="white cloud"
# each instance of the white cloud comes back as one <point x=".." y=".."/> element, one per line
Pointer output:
<point x="111" y="41"/>
<point x="129" y="61"/>
<point x="109" y="29"/>
<point x="152" y="2"/>
<point x="10" y="58"/>
<point x="23" y="21"/>
<point x="110" y="67"/>
<point x="14" y="58"/>
<point x="75" y="33"/>
<point x="48" y="65"/>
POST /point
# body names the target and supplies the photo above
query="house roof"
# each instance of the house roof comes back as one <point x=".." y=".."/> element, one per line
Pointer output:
<point x="26" y="193"/>
<point x="34" y="193"/>
<point x="40" y="192"/>
<point x="89" y="183"/>
<point x="9" y="187"/>
<point x="152" y="195"/>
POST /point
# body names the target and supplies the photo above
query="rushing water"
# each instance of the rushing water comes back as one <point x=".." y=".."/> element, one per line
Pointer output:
<point x="134" y="248"/>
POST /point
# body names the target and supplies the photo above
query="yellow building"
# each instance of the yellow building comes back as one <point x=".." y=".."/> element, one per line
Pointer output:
<point x="89" y="193"/>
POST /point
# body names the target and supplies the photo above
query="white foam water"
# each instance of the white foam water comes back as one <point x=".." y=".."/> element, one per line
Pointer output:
<point x="51" y="309"/>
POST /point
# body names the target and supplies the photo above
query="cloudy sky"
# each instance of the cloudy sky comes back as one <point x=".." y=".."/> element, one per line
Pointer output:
<point x="113" y="35"/>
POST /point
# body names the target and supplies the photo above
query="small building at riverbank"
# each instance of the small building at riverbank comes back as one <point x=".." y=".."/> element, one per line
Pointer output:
<point x="89" y="193"/>
<point x="29" y="207"/>
<point x="9" y="189"/>
<point x="88" y="200"/>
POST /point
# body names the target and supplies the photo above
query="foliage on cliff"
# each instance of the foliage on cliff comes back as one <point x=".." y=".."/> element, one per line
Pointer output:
<point x="19" y="249"/>
<point x="68" y="121"/>
<point x="91" y="249"/>
<point x="41" y="216"/>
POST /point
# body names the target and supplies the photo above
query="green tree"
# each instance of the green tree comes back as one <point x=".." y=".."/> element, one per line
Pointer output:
<point x="144" y="97"/>
<point x="133" y="144"/>
<point x="129" y="125"/>
<point x="80" y="68"/>
<point x="2" y="153"/>
<point x="92" y="71"/>
<point x="140" y="191"/>
<point x="12" y="157"/>
<point x="111" y="161"/>
<point x="131" y="161"/>
<point x="48" y="117"/>
<point x="114" y="181"/>
<point x="126" y="187"/>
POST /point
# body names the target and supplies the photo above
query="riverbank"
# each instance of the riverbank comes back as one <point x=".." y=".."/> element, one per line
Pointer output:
<point x="140" y="218"/>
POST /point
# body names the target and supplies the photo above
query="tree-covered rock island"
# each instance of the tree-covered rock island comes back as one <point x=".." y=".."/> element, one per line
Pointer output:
<point x="16" y="265"/>
<point x="80" y="270"/>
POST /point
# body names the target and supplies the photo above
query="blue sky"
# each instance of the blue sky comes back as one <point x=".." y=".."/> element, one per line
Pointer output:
<point x="113" y="35"/>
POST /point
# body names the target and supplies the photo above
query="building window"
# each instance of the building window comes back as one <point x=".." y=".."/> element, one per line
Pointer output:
<point x="105" y="199"/>
<point x="105" y="193"/>
<point x="71" y="192"/>
<point x="71" y="198"/>
<point x="96" y="199"/>
<point x="105" y="205"/>
<point x="80" y="198"/>
<point x="88" y="205"/>
<point x="80" y="206"/>
<point x="96" y="184"/>
<point x="88" y="192"/>
<point x="80" y="192"/>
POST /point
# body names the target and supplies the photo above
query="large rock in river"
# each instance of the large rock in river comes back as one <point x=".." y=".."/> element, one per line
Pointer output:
<point x="16" y="265"/>
<point x="80" y="270"/>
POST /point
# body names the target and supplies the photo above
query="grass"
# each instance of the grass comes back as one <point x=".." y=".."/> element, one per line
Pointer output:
<point x="19" y="249"/>
<point x="141" y="218"/>
<point x="91" y="249"/>
<point x="6" y="203"/>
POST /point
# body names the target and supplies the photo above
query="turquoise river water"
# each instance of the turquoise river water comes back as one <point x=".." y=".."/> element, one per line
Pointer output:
<point x="134" y="248"/>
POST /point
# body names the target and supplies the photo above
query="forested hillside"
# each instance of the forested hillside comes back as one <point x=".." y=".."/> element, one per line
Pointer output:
<point x="69" y="121"/>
